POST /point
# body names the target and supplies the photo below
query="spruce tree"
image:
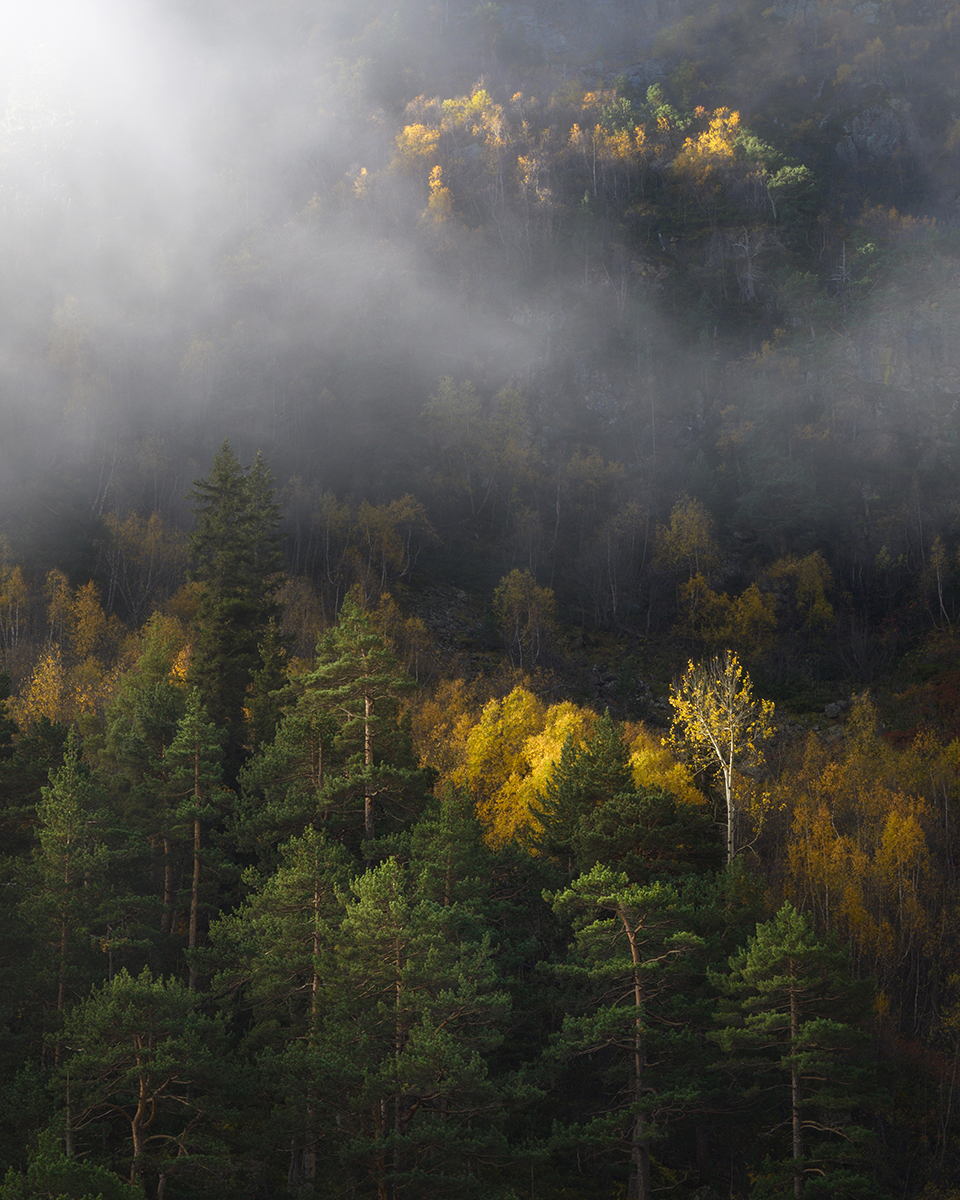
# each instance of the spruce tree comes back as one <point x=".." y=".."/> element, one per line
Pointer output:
<point x="238" y="564"/>
<point x="584" y="778"/>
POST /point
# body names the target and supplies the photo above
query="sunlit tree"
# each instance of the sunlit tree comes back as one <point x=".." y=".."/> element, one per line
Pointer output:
<point x="720" y="725"/>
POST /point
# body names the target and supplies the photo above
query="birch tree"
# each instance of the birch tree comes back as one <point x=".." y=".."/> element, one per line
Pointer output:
<point x="720" y="725"/>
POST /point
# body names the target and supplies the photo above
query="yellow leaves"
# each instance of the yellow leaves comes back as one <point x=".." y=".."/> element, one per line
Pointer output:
<point x="712" y="149"/>
<point x="43" y="695"/>
<point x="89" y="621"/>
<point x="687" y="545"/>
<point x="441" y="724"/>
<point x="417" y="147"/>
<point x="715" y="714"/>
<point x="719" y="724"/>
<point x="471" y="112"/>
<point x="747" y="621"/>
<point x="653" y="765"/>
<point x="85" y="650"/>
<point x="13" y="606"/>
<point x="861" y="850"/>
<point x="495" y="760"/>
<point x="810" y="579"/>
<point x="525" y="614"/>
<point x="511" y="753"/>
<point x="440" y="204"/>
<point x="752" y="622"/>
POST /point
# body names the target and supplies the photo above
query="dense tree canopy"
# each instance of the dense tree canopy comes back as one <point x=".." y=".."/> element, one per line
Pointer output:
<point x="406" y="818"/>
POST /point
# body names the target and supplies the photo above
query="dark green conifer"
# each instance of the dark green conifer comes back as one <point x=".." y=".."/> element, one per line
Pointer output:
<point x="793" y="1027"/>
<point x="238" y="563"/>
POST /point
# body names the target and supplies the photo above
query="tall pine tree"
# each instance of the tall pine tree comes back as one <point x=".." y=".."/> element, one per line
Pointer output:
<point x="238" y="563"/>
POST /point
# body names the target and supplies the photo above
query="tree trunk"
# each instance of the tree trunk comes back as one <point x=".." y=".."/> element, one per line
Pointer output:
<point x="194" y="902"/>
<point x="638" y="1186"/>
<point x="368" y="762"/>
<point x="795" y="1098"/>
<point x="166" y="921"/>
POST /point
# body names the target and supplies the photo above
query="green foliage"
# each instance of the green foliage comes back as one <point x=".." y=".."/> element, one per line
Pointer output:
<point x="792" y="1024"/>
<point x="51" y="1175"/>
<point x="238" y="564"/>
<point x="145" y="1071"/>
<point x="633" y="1014"/>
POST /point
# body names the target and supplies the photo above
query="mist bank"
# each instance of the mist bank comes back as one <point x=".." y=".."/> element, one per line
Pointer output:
<point x="714" y="248"/>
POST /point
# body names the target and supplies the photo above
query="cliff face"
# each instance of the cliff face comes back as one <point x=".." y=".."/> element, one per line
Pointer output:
<point x="603" y="38"/>
<point x="841" y="62"/>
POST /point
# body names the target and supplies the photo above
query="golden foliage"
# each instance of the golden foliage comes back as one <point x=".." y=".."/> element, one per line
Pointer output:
<point x="747" y="621"/>
<point x="44" y="693"/>
<point x="687" y="546"/>
<point x="417" y="147"/>
<point x="715" y="147"/>
<point x="14" y="599"/>
<point x="441" y="723"/>
<point x="510" y="753"/>
<point x="863" y="842"/>
<point x="718" y="724"/>
<point x="654" y="765"/>
<point x="440" y="203"/>
<point x="811" y="580"/>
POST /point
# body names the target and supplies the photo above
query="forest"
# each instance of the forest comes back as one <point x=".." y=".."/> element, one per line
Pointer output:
<point x="479" y="592"/>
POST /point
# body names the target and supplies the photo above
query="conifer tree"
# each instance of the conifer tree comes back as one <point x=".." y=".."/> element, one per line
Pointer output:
<point x="143" y="1071"/>
<point x="238" y="562"/>
<point x="632" y="1013"/>
<point x="414" y="1014"/>
<point x="585" y="777"/>
<point x="69" y="867"/>
<point x="359" y="681"/>
<point x="271" y="954"/>
<point x="792" y="1025"/>
<point x="195" y="772"/>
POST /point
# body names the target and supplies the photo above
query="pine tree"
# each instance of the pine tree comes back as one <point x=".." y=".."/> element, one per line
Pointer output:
<point x="793" y="1028"/>
<point x="238" y="563"/>
<point x="195" y="772"/>
<point x="144" y="1071"/>
<point x="358" y="680"/>
<point x="414" y="1014"/>
<point x="271" y="953"/>
<point x="69" y="868"/>
<point x="633" y="1013"/>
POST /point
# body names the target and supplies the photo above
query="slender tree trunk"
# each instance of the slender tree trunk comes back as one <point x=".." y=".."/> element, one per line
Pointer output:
<point x="397" y="1052"/>
<point x="166" y="921"/>
<point x="310" y="1140"/>
<point x="68" y="1147"/>
<point x="194" y="902"/>
<point x="368" y="761"/>
<point x="638" y="1186"/>
<point x="795" y="1099"/>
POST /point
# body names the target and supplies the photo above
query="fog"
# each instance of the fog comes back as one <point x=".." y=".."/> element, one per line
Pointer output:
<point x="208" y="231"/>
